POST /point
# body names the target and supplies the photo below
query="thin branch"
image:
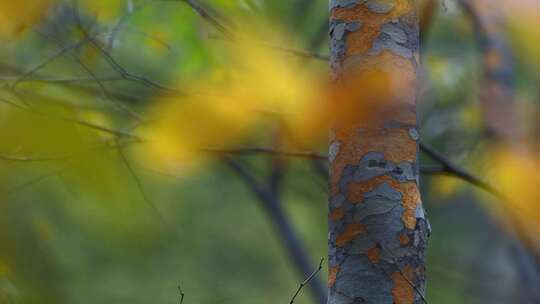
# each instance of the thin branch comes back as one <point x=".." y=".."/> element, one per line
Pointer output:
<point x="284" y="229"/>
<point x="452" y="169"/>
<point x="140" y="188"/>
<point x="116" y="132"/>
<point x="300" y="53"/>
<point x="105" y="92"/>
<point x="130" y="76"/>
<point x="50" y="59"/>
<point x="269" y="151"/>
<point x="396" y="262"/>
<point x="115" y="30"/>
<point x="203" y="12"/>
<point x="19" y="158"/>
<point x="28" y="183"/>
<point x="447" y="166"/>
<point x="182" y="294"/>
<point x="63" y="80"/>
<point x="306" y="281"/>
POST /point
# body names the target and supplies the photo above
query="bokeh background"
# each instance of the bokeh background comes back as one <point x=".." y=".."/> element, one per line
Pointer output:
<point x="121" y="176"/>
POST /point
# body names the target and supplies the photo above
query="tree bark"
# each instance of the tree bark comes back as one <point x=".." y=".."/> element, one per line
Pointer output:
<point x="377" y="226"/>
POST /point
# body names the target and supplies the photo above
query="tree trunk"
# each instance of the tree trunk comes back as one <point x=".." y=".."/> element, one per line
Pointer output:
<point x="377" y="226"/>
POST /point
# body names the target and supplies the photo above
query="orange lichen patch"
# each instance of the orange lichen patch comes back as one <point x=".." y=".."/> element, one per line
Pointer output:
<point x="332" y="275"/>
<point x="350" y="233"/>
<point x="337" y="214"/>
<point x="362" y="14"/>
<point x="360" y="116"/>
<point x="404" y="239"/>
<point x="411" y="199"/>
<point x="362" y="40"/>
<point x="403" y="291"/>
<point x="357" y="190"/>
<point x="347" y="156"/>
<point x="395" y="144"/>
<point x="374" y="255"/>
<point x="409" y="192"/>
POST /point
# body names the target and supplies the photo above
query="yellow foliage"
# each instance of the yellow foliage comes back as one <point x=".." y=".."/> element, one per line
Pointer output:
<point x="446" y="186"/>
<point x="17" y="16"/>
<point x="257" y="82"/>
<point x="516" y="174"/>
<point x="523" y="16"/>
<point x="4" y="268"/>
<point x="104" y="10"/>
<point x="471" y="117"/>
<point x="54" y="144"/>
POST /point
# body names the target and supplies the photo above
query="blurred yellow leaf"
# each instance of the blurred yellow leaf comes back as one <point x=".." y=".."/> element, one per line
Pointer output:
<point x="104" y="10"/>
<point x="471" y="117"/>
<point x="257" y="82"/>
<point x="445" y="186"/>
<point x="516" y="173"/>
<point x="4" y="268"/>
<point x="523" y="16"/>
<point x="18" y="16"/>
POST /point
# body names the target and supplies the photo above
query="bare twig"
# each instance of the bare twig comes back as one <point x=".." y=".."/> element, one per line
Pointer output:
<point x="269" y="151"/>
<point x="50" y="59"/>
<point x="130" y="76"/>
<point x="396" y="262"/>
<point x="19" y="158"/>
<point x="105" y="92"/>
<point x="306" y="281"/>
<point x="182" y="294"/>
<point x="203" y="12"/>
<point x="284" y="229"/>
<point x="300" y="53"/>
<point x="447" y="166"/>
<point x="115" y="30"/>
<point x="63" y="80"/>
<point x="452" y="169"/>
<point x="116" y="132"/>
<point x="140" y="188"/>
<point x="30" y="182"/>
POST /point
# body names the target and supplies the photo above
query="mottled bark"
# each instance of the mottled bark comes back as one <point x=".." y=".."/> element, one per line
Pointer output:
<point x="377" y="226"/>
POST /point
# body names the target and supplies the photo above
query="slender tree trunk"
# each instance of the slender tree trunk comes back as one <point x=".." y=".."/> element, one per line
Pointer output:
<point x="501" y="116"/>
<point x="497" y="86"/>
<point x="377" y="226"/>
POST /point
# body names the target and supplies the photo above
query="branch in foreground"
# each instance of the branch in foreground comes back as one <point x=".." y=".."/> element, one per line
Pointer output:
<point x="182" y="294"/>
<point x="447" y="166"/>
<point x="403" y="275"/>
<point x="452" y="169"/>
<point x="306" y="281"/>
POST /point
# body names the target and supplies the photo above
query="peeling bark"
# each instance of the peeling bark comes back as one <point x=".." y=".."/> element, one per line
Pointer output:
<point x="377" y="226"/>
